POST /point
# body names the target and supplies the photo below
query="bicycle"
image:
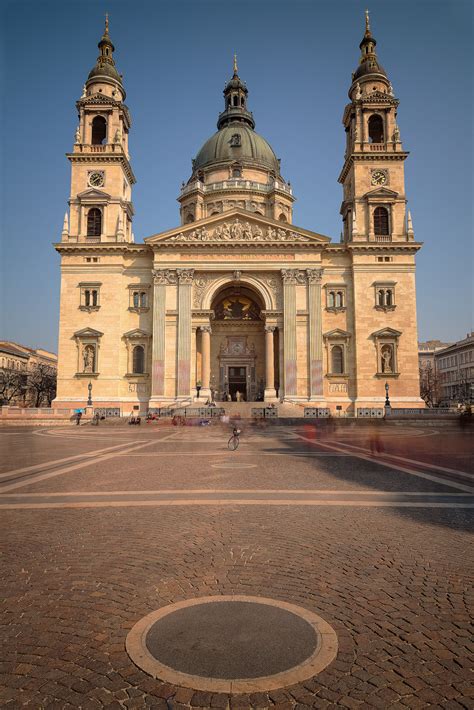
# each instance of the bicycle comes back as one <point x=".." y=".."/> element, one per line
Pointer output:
<point x="234" y="440"/>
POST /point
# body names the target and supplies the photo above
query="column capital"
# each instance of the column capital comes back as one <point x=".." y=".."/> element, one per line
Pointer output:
<point x="185" y="276"/>
<point x="314" y="276"/>
<point x="270" y="328"/>
<point x="292" y="276"/>
<point x="205" y="329"/>
<point x="164" y="276"/>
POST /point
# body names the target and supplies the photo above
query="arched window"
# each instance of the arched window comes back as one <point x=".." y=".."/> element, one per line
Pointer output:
<point x="339" y="299"/>
<point x="236" y="172"/>
<point x="87" y="297"/>
<point x="138" y="360"/>
<point x="94" y="298"/>
<point x="236" y="101"/>
<point x="94" y="222"/>
<point x="282" y="218"/>
<point x="376" y="129"/>
<point x="99" y="130"/>
<point x="331" y="299"/>
<point x="381" y="297"/>
<point x="136" y="299"/>
<point x="381" y="221"/>
<point x="337" y="360"/>
<point x="143" y="299"/>
<point x="388" y="298"/>
<point x="188" y="219"/>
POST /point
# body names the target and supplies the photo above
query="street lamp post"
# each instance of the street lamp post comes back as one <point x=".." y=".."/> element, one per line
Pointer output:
<point x="89" y="401"/>
<point x="388" y="406"/>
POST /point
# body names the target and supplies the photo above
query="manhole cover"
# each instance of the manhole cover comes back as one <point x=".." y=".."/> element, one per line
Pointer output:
<point x="233" y="644"/>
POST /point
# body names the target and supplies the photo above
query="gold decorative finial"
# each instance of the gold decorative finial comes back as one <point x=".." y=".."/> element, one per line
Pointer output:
<point x="235" y="64"/>
<point x="106" y="24"/>
<point x="367" y="22"/>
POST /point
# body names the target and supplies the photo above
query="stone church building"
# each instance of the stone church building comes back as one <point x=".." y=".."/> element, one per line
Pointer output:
<point x="237" y="302"/>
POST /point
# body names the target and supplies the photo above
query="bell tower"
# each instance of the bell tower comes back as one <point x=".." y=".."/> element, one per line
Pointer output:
<point x="100" y="201"/>
<point x="374" y="202"/>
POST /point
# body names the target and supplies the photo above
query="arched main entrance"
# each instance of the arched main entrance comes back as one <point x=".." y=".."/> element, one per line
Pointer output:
<point x="237" y="345"/>
<point x="234" y="354"/>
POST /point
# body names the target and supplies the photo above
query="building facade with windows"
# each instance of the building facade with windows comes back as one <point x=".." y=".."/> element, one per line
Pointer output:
<point x="236" y="300"/>
<point x="455" y="367"/>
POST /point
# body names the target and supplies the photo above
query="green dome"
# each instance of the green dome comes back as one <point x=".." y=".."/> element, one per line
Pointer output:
<point x="249" y="147"/>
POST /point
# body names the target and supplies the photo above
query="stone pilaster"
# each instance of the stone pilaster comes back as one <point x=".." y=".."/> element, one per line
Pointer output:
<point x="161" y="277"/>
<point x="185" y="282"/>
<point x="290" y="278"/>
<point x="314" y="277"/>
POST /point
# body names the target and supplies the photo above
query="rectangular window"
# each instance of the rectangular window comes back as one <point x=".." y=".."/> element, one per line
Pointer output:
<point x="138" y="297"/>
<point x="89" y="296"/>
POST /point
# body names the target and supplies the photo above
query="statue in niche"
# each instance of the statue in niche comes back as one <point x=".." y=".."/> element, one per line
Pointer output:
<point x="89" y="358"/>
<point x="387" y="359"/>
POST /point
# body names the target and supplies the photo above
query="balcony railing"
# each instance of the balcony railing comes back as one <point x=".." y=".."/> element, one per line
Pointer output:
<point x="383" y="238"/>
<point x="237" y="184"/>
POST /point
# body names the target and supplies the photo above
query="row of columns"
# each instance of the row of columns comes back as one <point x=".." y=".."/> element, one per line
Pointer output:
<point x="183" y="278"/>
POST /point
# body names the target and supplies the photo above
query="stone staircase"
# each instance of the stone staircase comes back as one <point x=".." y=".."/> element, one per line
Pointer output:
<point x="244" y="409"/>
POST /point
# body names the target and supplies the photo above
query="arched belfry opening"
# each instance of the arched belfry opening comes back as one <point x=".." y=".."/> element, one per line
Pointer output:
<point x="237" y="349"/>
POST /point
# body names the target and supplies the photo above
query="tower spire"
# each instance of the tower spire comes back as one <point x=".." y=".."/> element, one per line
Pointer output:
<point x="368" y="62"/>
<point x="236" y="69"/>
<point x="367" y="23"/>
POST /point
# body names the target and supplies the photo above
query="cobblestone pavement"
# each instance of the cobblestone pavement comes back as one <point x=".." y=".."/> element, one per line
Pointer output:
<point x="394" y="582"/>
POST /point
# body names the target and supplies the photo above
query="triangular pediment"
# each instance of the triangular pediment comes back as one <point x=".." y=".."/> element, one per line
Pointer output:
<point x="383" y="192"/>
<point x="88" y="333"/>
<point x="386" y="333"/>
<point x="236" y="227"/>
<point x="93" y="194"/>
<point x="136" y="333"/>
<point x="337" y="333"/>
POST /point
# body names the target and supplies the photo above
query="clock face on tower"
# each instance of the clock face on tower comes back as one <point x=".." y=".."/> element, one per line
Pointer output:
<point x="379" y="177"/>
<point x="96" y="179"/>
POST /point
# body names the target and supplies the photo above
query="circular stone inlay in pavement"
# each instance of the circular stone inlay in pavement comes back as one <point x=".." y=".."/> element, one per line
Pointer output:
<point x="232" y="644"/>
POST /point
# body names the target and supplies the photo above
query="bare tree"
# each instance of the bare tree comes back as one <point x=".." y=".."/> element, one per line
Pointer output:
<point x="12" y="385"/>
<point x="41" y="384"/>
<point x="429" y="384"/>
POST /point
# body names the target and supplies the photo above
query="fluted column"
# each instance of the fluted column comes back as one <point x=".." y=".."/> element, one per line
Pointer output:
<point x="290" y="278"/>
<point x="161" y="277"/>
<point x="314" y="277"/>
<point x="206" y="356"/>
<point x="185" y="281"/>
<point x="270" y="392"/>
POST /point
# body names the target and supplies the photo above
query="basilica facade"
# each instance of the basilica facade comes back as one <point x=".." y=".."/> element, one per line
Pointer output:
<point x="237" y="302"/>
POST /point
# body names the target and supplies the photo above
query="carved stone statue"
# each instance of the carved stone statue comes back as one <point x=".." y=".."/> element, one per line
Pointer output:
<point x="83" y="95"/>
<point x="236" y="229"/>
<point x="77" y="135"/>
<point x="358" y="93"/>
<point x="118" y="136"/>
<point x="247" y="232"/>
<point x="390" y="89"/>
<point x="396" y="134"/>
<point x="89" y="357"/>
<point x="387" y="366"/>
<point x="258" y="234"/>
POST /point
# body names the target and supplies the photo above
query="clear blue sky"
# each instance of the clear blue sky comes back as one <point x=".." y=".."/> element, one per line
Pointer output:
<point x="296" y="57"/>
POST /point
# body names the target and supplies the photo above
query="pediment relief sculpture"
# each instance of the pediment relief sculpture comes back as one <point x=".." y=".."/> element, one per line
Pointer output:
<point x="239" y="231"/>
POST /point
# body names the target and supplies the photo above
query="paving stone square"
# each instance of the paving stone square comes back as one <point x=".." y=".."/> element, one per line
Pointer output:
<point x="102" y="527"/>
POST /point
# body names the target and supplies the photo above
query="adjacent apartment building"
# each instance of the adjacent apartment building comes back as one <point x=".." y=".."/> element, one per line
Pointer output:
<point x="455" y="367"/>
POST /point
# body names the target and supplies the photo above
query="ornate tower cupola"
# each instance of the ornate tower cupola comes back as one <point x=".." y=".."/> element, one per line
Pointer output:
<point x="101" y="176"/>
<point x="374" y="204"/>
<point x="235" y="96"/>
